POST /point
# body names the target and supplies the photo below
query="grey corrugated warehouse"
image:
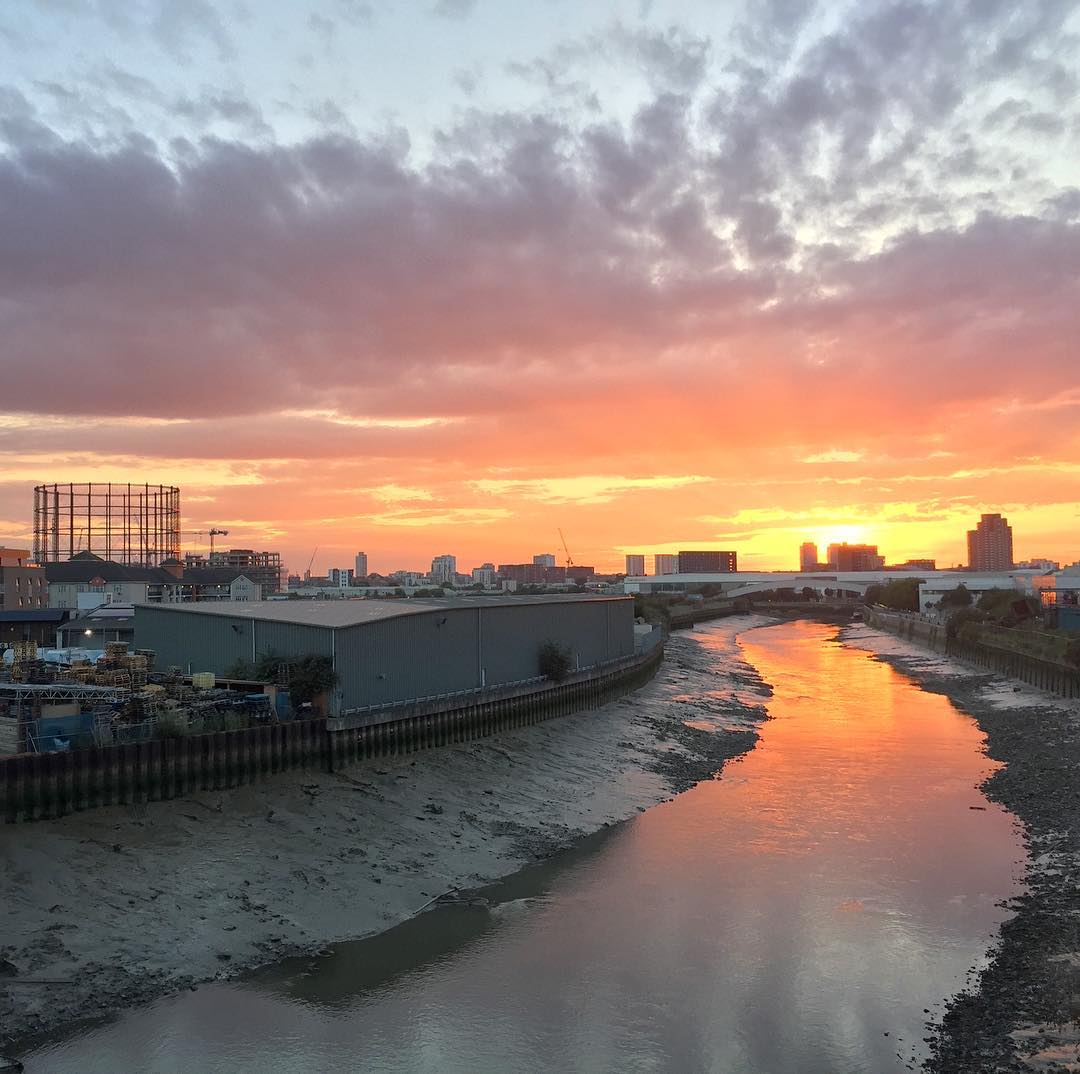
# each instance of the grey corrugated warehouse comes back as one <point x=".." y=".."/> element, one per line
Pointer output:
<point x="391" y="650"/>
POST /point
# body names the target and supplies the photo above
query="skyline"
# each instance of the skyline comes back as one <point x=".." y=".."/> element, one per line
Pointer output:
<point x="454" y="276"/>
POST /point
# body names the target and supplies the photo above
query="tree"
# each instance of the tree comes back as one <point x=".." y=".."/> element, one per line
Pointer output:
<point x="809" y="592"/>
<point x="960" y="597"/>
<point x="310" y="676"/>
<point x="901" y="594"/>
<point x="555" y="661"/>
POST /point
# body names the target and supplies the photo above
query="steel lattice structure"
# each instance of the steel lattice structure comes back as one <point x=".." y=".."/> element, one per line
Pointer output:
<point x="134" y="524"/>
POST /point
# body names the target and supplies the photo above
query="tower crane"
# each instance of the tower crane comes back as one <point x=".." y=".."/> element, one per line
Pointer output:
<point x="307" y="573"/>
<point x="569" y="561"/>
<point x="216" y="533"/>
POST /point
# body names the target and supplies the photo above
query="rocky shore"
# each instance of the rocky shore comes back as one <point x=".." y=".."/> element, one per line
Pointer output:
<point x="1020" y="1013"/>
<point x="118" y="906"/>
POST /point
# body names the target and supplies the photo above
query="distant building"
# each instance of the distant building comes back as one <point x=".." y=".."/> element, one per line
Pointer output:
<point x="485" y="575"/>
<point x="665" y="563"/>
<point x="22" y="582"/>
<point x="545" y="559"/>
<point x="914" y="565"/>
<point x="341" y="577"/>
<point x="87" y="581"/>
<point x="261" y="567"/>
<point x="855" y="557"/>
<point x="635" y="566"/>
<point x="1039" y="564"/>
<point x="361" y="569"/>
<point x="707" y="562"/>
<point x="990" y="545"/>
<point x="443" y="569"/>
<point x="537" y="574"/>
<point x="808" y="554"/>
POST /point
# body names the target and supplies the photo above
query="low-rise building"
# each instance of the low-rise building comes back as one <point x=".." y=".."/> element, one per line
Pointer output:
<point x="22" y="582"/>
<point x="388" y="651"/>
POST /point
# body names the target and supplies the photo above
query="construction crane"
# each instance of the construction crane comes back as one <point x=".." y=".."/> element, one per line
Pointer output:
<point x="307" y="573"/>
<point x="569" y="561"/>
<point x="216" y="533"/>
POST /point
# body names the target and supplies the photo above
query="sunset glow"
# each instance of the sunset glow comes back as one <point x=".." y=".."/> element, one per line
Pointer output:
<point x="674" y="275"/>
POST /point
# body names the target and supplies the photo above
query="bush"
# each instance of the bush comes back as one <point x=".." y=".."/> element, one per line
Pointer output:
<point x="960" y="597"/>
<point x="556" y="661"/>
<point x="310" y="676"/>
<point x="961" y="623"/>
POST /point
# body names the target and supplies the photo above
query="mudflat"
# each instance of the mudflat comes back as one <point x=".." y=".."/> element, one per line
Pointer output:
<point x="1020" y="1013"/>
<point x="115" y="907"/>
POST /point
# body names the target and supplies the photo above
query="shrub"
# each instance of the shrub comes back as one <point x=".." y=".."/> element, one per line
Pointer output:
<point x="555" y="661"/>
<point x="962" y="623"/>
<point x="310" y="676"/>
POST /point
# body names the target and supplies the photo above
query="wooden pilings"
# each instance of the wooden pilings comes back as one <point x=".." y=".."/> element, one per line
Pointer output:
<point x="33" y="786"/>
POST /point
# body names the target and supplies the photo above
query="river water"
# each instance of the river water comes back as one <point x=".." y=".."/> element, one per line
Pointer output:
<point x="800" y="914"/>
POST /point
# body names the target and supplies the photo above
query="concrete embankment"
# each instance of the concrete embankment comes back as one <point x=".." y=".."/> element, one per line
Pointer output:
<point x="1050" y="675"/>
<point x="119" y="905"/>
<point x="1020" y="1012"/>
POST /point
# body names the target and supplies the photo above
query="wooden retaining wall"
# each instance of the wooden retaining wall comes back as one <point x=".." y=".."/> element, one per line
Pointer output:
<point x="1044" y="674"/>
<point x="40" y="785"/>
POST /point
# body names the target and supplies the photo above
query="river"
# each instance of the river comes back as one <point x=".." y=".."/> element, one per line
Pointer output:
<point x="807" y="911"/>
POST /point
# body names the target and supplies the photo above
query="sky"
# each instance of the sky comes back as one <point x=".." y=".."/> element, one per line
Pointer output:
<point x="415" y="277"/>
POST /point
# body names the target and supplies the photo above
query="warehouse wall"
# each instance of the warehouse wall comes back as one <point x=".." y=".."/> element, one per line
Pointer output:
<point x="418" y="655"/>
<point x="215" y="642"/>
<point x="462" y="648"/>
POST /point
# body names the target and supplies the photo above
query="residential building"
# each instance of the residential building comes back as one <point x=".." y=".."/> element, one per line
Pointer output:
<point x="707" y="562"/>
<point x="635" y="566"/>
<point x="665" y="563"/>
<point x="990" y="544"/>
<point x="545" y="559"/>
<point x="914" y="565"/>
<point x="361" y="568"/>
<point x="485" y="575"/>
<point x="443" y="569"/>
<point x="86" y="581"/>
<point x="808" y="556"/>
<point x="22" y="582"/>
<point x="342" y="577"/>
<point x="855" y="557"/>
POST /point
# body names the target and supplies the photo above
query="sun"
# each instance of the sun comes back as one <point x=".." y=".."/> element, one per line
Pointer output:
<point x="827" y="535"/>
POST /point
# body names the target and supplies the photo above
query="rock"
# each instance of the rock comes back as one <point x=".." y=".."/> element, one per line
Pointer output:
<point x="10" y="1065"/>
<point x="7" y="969"/>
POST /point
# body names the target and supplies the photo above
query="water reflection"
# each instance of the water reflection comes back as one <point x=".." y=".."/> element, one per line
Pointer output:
<point x="796" y="915"/>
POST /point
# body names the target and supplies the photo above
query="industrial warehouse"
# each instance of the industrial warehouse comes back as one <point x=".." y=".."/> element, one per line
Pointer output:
<point x="390" y="651"/>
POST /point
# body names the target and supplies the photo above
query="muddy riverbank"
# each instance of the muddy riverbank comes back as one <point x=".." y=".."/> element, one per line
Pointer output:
<point x="1020" y="1013"/>
<point x="114" y="908"/>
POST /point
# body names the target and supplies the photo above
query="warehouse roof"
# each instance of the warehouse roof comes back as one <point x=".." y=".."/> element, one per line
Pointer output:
<point x="344" y="613"/>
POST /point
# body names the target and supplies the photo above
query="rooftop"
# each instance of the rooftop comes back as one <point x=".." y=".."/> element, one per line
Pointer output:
<point x="345" y="613"/>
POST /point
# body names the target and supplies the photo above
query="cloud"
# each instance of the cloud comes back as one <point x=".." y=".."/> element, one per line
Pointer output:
<point x="851" y="234"/>
<point x="453" y="9"/>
